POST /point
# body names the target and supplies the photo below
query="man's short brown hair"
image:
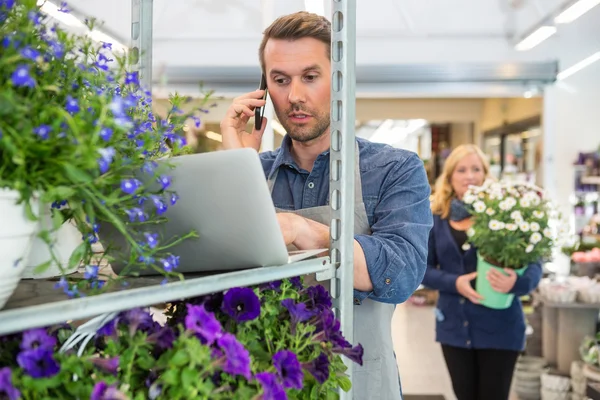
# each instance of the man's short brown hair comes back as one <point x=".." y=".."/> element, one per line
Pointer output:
<point x="297" y="26"/>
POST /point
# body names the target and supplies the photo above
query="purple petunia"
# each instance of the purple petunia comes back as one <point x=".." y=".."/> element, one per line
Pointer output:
<point x="353" y="353"/>
<point x="289" y="369"/>
<point x="38" y="363"/>
<point x="319" y="368"/>
<point x="163" y="338"/>
<point x="7" y="390"/>
<point x="108" y="365"/>
<point x="102" y="391"/>
<point x="242" y="304"/>
<point x="272" y="390"/>
<point x="207" y="328"/>
<point x="319" y="298"/>
<point x="236" y="357"/>
<point x="298" y="311"/>
<point x="37" y="338"/>
<point x="137" y="318"/>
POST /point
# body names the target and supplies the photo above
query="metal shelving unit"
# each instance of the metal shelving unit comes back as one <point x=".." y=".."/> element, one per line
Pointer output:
<point x="38" y="304"/>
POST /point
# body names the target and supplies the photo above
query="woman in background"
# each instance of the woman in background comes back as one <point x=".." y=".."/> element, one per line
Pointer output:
<point x="480" y="344"/>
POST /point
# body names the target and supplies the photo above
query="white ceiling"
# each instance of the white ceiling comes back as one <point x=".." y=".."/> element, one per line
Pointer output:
<point x="215" y="34"/>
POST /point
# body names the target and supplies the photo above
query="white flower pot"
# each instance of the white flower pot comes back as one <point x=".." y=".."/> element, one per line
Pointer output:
<point x="66" y="239"/>
<point x="16" y="237"/>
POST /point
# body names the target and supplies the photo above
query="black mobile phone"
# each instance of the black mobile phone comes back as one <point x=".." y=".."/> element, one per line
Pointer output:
<point x="259" y="111"/>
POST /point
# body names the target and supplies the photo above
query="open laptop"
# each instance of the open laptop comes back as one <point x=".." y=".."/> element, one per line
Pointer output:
<point x="224" y="197"/>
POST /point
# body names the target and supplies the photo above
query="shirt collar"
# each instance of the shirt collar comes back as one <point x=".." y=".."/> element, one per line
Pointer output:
<point x="284" y="156"/>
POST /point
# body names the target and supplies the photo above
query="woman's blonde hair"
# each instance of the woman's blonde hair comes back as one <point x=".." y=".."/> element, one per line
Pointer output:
<point x="443" y="191"/>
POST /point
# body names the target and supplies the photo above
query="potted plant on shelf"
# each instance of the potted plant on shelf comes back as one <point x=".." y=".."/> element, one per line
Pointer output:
<point x="274" y="341"/>
<point x="512" y="228"/>
<point x="76" y="129"/>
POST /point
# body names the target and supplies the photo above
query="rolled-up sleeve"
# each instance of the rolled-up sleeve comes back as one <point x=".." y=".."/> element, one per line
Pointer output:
<point x="396" y="251"/>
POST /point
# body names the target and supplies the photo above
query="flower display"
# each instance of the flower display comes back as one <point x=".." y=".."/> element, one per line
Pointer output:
<point x="197" y="354"/>
<point x="512" y="223"/>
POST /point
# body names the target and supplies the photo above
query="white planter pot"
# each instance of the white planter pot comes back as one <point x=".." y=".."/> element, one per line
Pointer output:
<point x="66" y="239"/>
<point x="16" y="237"/>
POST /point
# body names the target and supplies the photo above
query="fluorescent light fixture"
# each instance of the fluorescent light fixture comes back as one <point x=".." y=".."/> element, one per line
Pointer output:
<point x="99" y="36"/>
<point x="586" y="62"/>
<point x="535" y="38"/>
<point x="214" y="136"/>
<point x="315" y="6"/>
<point x="51" y="9"/>
<point x="575" y="11"/>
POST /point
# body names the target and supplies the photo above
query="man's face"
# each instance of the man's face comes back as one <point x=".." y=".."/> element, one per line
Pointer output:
<point x="299" y="81"/>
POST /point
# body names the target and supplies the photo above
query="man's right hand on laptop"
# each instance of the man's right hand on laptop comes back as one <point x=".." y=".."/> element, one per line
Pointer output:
<point x="233" y="126"/>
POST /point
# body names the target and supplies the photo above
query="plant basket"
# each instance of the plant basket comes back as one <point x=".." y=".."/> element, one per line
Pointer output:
<point x="492" y="298"/>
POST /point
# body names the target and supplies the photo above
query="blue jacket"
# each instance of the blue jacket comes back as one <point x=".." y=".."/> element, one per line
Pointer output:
<point x="460" y="322"/>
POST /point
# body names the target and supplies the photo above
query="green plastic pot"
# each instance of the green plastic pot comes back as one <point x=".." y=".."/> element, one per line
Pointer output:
<point x="492" y="298"/>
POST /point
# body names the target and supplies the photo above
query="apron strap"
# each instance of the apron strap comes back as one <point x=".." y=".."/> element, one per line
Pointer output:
<point x="358" y="196"/>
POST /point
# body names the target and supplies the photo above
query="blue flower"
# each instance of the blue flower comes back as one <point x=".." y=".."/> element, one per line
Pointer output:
<point x="103" y="61"/>
<point x="161" y="207"/>
<point x="6" y="385"/>
<point x="21" y="76"/>
<point x="106" y="134"/>
<point x="146" y="259"/>
<point x="72" y="106"/>
<point x="132" y="78"/>
<point x="7" y="4"/>
<point x="129" y="186"/>
<point x="170" y="263"/>
<point x="136" y="214"/>
<point x="35" y="17"/>
<point x="57" y="48"/>
<point x="197" y="121"/>
<point x="91" y="272"/>
<point x="30" y="53"/>
<point x="106" y="158"/>
<point x="149" y="167"/>
<point x="43" y="131"/>
<point x="151" y="239"/>
<point x="64" y="7"/>
<point x="106" y="45"/>
<point x="165" y="181"/>
<point x="174" y="198"/>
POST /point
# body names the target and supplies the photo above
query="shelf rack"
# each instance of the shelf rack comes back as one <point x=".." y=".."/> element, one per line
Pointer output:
<point x="37" y="304"/>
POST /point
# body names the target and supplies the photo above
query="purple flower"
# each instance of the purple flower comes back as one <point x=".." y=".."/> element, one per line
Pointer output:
<point x="289" y="369"/>
<point x="165" y="181"/>
<point x="108" y="329"/>
<point x="319" y="298"/>
<point x="38" y="363"/>
<point x="242" y="304"/>
<point x="72" y="106"/>
<point x="7" y="4"/>
<point x="319" y="368"/>
<point x="163" y="338"/>
<point x="136" y="213"/>
<point x="353" y="353"/>
<point x="151" y="239"/>
<point x="296" y="282"/>
<point x="7" y="390"/>
<point x="102" y="391"/>
<point x="274" y="285"/>
<point x="43" y="131"/>
<point x="37" y="338"/>
<point x="237" y="358"/>
<point x="132" y="78"/>
<point x="170" y="263"/>
<point x="272" y="390"/>
<point x="129" y="186"/>
<point x="207" y="328"/>
<point x="91" y="272"/>
<point x="103" y="61"/>
<point x="108" y="365"/>
<point x="57" y="48"/>
<point x="64" y="7"/>
<point x="30" y="53"/>
<point x="137" y="318"/>
<point x="174" y="198"/>
<point x="106" y="158"/>
<point x="197" y="121"/>
<point x="212" y="302"/>
<point x="35" y="17"/>
<point x="159" y="203"/>
<point x="298" y="312"/>
<point x="106" y="134"/>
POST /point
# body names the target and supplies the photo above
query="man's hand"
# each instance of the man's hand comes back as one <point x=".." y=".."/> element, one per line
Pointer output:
<point x="500" y="282"/>
<point x="463" y="285"/>
<point x="289" y="226"/>
<point x="233" y="126"/>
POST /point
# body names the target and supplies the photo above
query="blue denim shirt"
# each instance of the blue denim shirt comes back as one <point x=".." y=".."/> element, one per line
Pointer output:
<point x="459" y="322"/>
<point x="396" y="196"/>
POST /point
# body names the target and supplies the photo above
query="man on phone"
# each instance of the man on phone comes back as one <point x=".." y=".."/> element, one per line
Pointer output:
<point x="392" y="211"/>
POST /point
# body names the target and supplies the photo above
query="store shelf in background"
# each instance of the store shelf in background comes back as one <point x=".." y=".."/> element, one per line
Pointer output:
<point x="36" y="303"/>
<point x="590" y="180"/>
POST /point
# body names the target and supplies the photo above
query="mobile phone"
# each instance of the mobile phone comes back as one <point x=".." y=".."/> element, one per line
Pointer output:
<point x="259" y="111"/>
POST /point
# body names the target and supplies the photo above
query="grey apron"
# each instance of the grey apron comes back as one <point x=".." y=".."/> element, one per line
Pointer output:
<point x="377" y="378"/>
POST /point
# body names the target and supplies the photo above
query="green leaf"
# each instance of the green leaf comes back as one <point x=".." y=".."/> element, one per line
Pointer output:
<point x="189" y="376"/>
<point x="42" y="267"/>
<point x="170" y="377"/>
<point x="344" y="382"/>
<point x="76" y="175"/>
<point x="180" y="358"/>
<point x="78" y="254"/>
<point x="58" y="193"/>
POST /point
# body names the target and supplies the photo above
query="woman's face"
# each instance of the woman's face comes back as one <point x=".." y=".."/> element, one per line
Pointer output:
<point x="468" y="172"/>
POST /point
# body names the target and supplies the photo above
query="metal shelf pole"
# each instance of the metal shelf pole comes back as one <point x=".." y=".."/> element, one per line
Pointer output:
<point x="141" y="40"/>
<point x="342" y="164"/>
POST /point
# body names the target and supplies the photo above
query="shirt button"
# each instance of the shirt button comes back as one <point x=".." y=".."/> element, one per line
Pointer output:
<point x="468" y="342"/>
<point x="388" y="281"/>
<point x="462" y="301"/>
<point x="311" y="185"/>
<point x="466" y="323"/>
<point x="356" y="301"/>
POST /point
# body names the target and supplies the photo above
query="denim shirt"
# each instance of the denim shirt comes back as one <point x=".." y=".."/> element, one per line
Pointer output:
<point x="396" y="196"/>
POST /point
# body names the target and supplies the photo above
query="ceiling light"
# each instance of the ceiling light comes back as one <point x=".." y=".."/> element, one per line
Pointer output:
<point x="315" y="6"/>
<point x="535" y="38"/>
<point x="52" y="10"/>
<point x="575" y="11"/>
<point x="579" y="66"/>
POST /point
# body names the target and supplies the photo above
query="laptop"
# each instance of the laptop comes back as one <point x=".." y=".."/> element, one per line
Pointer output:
<point x="224" y="197"/>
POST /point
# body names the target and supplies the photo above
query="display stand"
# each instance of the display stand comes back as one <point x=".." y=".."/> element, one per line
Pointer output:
<point x="563" y="330"/>
<point x="38" y="304"/>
